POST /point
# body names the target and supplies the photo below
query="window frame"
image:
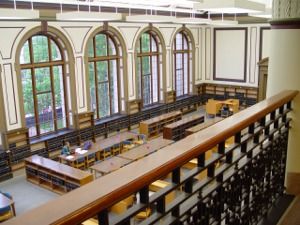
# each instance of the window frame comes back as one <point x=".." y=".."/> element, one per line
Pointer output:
<point x="107" y="59"/>
<point x="182" y="52"/>
<point x="151" y="54"/>
<point x="48" y="64"/>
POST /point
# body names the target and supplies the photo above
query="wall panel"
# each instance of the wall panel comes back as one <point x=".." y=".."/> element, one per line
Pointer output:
<point x="230" y="54"/>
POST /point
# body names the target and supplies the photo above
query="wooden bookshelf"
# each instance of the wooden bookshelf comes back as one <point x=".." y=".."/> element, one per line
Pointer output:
<point x="85" y="125"/>
<point x="154" y="126"/>
<point x="247" y="95"/>
<point x="18" y="147"/>
<point x="176" y="131"/>
<point x="54" y="176"/>
<point x="133" y="106"/>
<point x="170" y="96"/>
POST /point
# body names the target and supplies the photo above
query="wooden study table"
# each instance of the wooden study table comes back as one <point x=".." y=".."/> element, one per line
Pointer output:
<point x="5" y="201"/>
<point x="202" y="126"/>
<point x="109" y="165"/>
<point x="145" y="149"/>
<point x="213" y="107"/>
<point x="98" y="147"/>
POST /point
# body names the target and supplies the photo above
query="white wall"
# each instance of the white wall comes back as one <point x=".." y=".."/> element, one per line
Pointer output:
<point x="78" y="34"/>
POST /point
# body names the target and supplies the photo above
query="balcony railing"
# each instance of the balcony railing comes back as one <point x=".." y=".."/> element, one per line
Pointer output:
<point x="237" y="184"/>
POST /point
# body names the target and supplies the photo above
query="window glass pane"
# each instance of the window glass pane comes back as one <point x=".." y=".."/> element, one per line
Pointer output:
<point x="102" y="73"/>
<point x="147" y="90"/>
<point x="40" y="48"/>
<point x="101" y="45"/>
<point x="111" y="47"/>
<point x="179" y="74"/>
<point x="103" y="99"/>
<point x="138" y="77"/>
<point x="154" y="45"/>
<point x="91" y="48"/>
<point x="59" y="97"/>
<point x="28" y="101"/>
<point x="55" y="52"/>
<point x="92" y="87"/>
<point x="185" y="43"/>
<point x="25" y="55"/>
<point x="114" y="86"/>
<point x="42" y="79"/>
<point x="178" y="41"/>
<point x="138" y="47"/>
<point x="145" y="42"/>
<point x="186" y="75"/>
<point x="44" y="102"/>
<point x="154" y="79"/>
<point x="146" y="65"/>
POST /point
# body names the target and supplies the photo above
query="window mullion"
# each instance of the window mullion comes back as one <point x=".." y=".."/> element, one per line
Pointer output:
<point x="108" y="75"/>
<point x="52" y="87"/>
<point x="36" y="112"/>
<point x="96" y="90"/>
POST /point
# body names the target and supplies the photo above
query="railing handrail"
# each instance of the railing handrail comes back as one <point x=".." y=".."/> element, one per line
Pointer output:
<point x="87" y="201"/>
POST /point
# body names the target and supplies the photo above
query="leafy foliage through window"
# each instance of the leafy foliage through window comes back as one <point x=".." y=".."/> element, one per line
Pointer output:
<point x="182" y="65"/>
<point x="148" y="68"/>
<point x="42" y="72"/>
<point x="104" y="75"/>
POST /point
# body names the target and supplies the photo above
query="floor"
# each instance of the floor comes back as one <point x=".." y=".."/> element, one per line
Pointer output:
<point x="292" y="214"/>
<point x="25" y="194"/>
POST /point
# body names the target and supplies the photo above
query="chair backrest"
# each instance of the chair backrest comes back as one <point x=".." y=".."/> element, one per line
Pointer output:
<point x="127" y="142"/>
<point x="80" y="160"/>
<point x="90" y="156"/>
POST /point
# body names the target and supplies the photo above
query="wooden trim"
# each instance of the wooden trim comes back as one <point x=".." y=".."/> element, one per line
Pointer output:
<point x="261" y="36"/>
<point x="293" y="23"/>
<point x="293" y="183"/>
<point x="245" y="55"/>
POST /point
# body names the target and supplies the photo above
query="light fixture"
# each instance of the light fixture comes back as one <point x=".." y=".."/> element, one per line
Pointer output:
<point x="88" y="16"/>
<point x="149" y="18"/>
<point x="192" y="20"/>
<point x="18" y="14"/>
<point x="230" y="6"/>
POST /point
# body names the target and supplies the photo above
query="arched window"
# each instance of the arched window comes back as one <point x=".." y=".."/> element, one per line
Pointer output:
<point x="182" y="61"/>
<point x="43" y="82"/>
<point x="148" y="68"/>
<point x="104" y="68"/>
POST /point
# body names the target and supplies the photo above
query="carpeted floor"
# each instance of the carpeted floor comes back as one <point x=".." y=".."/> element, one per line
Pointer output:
<point x="25" y="194"/>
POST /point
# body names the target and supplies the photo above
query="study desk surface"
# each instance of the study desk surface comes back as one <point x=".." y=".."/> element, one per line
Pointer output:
<point x="146" y="149"/>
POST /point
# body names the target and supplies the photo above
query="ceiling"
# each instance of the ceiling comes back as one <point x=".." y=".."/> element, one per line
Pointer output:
<point x="179" y="8"/>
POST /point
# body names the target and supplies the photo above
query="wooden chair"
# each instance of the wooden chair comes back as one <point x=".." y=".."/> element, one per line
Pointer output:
<point x="80" y="163"/>
<point x="115" y="150"/>
<point x="127" y="145"/>
<point x="143" y="214"/>
<point x="91" y="159"/>
<point x="123" y="205"/>
<point x="6" y="212"/>
<point x="105" y="153"/>
<point x="141" y="139"/>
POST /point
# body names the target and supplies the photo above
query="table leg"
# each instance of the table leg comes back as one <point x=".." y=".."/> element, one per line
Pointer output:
<point x="13" y="209"/>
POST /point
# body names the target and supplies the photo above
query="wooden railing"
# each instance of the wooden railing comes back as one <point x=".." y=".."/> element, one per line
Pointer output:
<point x="242" y="180"/>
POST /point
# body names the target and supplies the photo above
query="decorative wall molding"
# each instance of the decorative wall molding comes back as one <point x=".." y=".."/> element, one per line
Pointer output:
<point x="225" y="61"/>
<point x="72" y="32"/>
